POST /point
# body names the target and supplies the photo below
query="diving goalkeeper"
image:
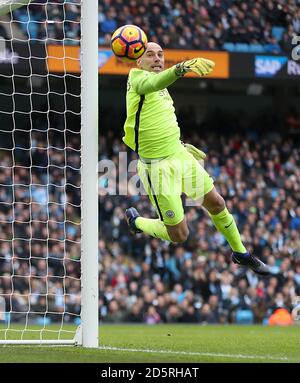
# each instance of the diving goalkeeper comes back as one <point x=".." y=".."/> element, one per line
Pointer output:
<point x="166" y="166"/>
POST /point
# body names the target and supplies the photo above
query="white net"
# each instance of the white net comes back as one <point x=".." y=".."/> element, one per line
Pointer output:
<point x="40" y="171"/>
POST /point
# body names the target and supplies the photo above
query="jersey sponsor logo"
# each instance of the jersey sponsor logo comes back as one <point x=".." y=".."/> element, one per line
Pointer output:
<point x="268" y="66"/>
<point x="170" y="213"/>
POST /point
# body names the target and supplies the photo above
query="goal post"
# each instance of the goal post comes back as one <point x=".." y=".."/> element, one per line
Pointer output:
<point x="89" y="174"/>
<point x="49" y="172"/>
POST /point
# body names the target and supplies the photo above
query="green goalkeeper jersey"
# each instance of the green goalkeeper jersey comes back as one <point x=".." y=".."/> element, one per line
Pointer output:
<point x="151" y="127"/>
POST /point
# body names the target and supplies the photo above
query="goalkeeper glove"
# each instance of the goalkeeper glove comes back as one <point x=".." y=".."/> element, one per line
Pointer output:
<point x="200" y="66"/>
<point x="196" y="153"/>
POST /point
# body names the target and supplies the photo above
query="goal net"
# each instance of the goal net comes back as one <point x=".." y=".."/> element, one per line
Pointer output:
<point x="44" y="166"/>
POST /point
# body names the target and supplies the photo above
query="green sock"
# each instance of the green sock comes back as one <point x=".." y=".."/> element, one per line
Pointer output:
<point x="154" y="227"/>
<point x="225" y="223"/>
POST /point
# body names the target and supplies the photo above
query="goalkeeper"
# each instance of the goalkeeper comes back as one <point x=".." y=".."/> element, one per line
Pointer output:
<point x="166" y="166"/>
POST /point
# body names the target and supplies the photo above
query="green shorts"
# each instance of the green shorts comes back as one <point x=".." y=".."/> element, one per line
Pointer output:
<point x="165" y="180"/>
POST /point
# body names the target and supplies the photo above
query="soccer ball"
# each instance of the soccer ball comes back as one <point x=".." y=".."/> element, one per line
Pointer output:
<point x="129" y="43"/>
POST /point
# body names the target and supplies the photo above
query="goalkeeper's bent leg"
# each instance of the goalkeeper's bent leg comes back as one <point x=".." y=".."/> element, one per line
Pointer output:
<point x="154" y="227"/>
<point x="225" y="223"/>
<point x="223" y="220"/>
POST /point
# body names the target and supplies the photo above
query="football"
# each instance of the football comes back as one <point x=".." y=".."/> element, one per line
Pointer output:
<point x="129" y="43"/>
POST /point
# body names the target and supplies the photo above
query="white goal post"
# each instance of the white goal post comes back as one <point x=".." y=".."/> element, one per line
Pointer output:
<point x="49" y="173"/>
<point x="89" y="174"/>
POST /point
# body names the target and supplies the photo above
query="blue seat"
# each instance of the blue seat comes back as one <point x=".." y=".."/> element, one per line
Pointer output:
<point x="273" y="48"/>
<point x="277" y="32"/>
<point x="23" y="21"/>
<point x="229" y="47"/>
<point x="77" y="321"/>
<point x="244" y="317"/>
<point x="242" y="47"/>
<point x="42" y="321"/>
<point x="265" y="321"/>
<point x="257" y="48"/>
<point x="33" y="28"/>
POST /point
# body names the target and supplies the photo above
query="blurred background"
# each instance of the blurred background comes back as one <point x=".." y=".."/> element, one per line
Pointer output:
<point x="245" y="116"/>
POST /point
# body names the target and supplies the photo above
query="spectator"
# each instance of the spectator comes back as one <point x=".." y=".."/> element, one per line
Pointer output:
<point x="152" y="316"/>
<point x="207" y="316"/>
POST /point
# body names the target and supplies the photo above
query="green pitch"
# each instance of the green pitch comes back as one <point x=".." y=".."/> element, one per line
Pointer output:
<point x="168" y="343"/>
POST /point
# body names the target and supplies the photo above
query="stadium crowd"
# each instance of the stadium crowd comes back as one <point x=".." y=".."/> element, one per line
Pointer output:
<point x="40" y="226"/>
<point x="52" y="21"/>
<point x="199" y="24"/>
<point x="205" y="24"/>
<point x="142" y="279"/>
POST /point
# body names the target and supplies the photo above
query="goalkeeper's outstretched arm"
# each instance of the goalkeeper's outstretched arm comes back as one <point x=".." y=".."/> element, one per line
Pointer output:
<point x="144" y="82"/>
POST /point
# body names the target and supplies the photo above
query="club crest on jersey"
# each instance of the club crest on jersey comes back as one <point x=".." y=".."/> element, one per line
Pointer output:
<point x="170" y="213"/>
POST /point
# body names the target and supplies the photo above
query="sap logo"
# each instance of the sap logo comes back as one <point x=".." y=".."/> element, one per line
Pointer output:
<point x="268" y="66"/>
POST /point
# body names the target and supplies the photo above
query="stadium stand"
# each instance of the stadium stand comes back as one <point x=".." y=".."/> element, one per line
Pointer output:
<point x="252" y="26"/>
<point x="25" y="200"/>
<point x="51" y="23"/>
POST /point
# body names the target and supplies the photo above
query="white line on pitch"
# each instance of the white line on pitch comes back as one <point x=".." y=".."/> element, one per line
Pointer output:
<point x="241" y="356"/>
